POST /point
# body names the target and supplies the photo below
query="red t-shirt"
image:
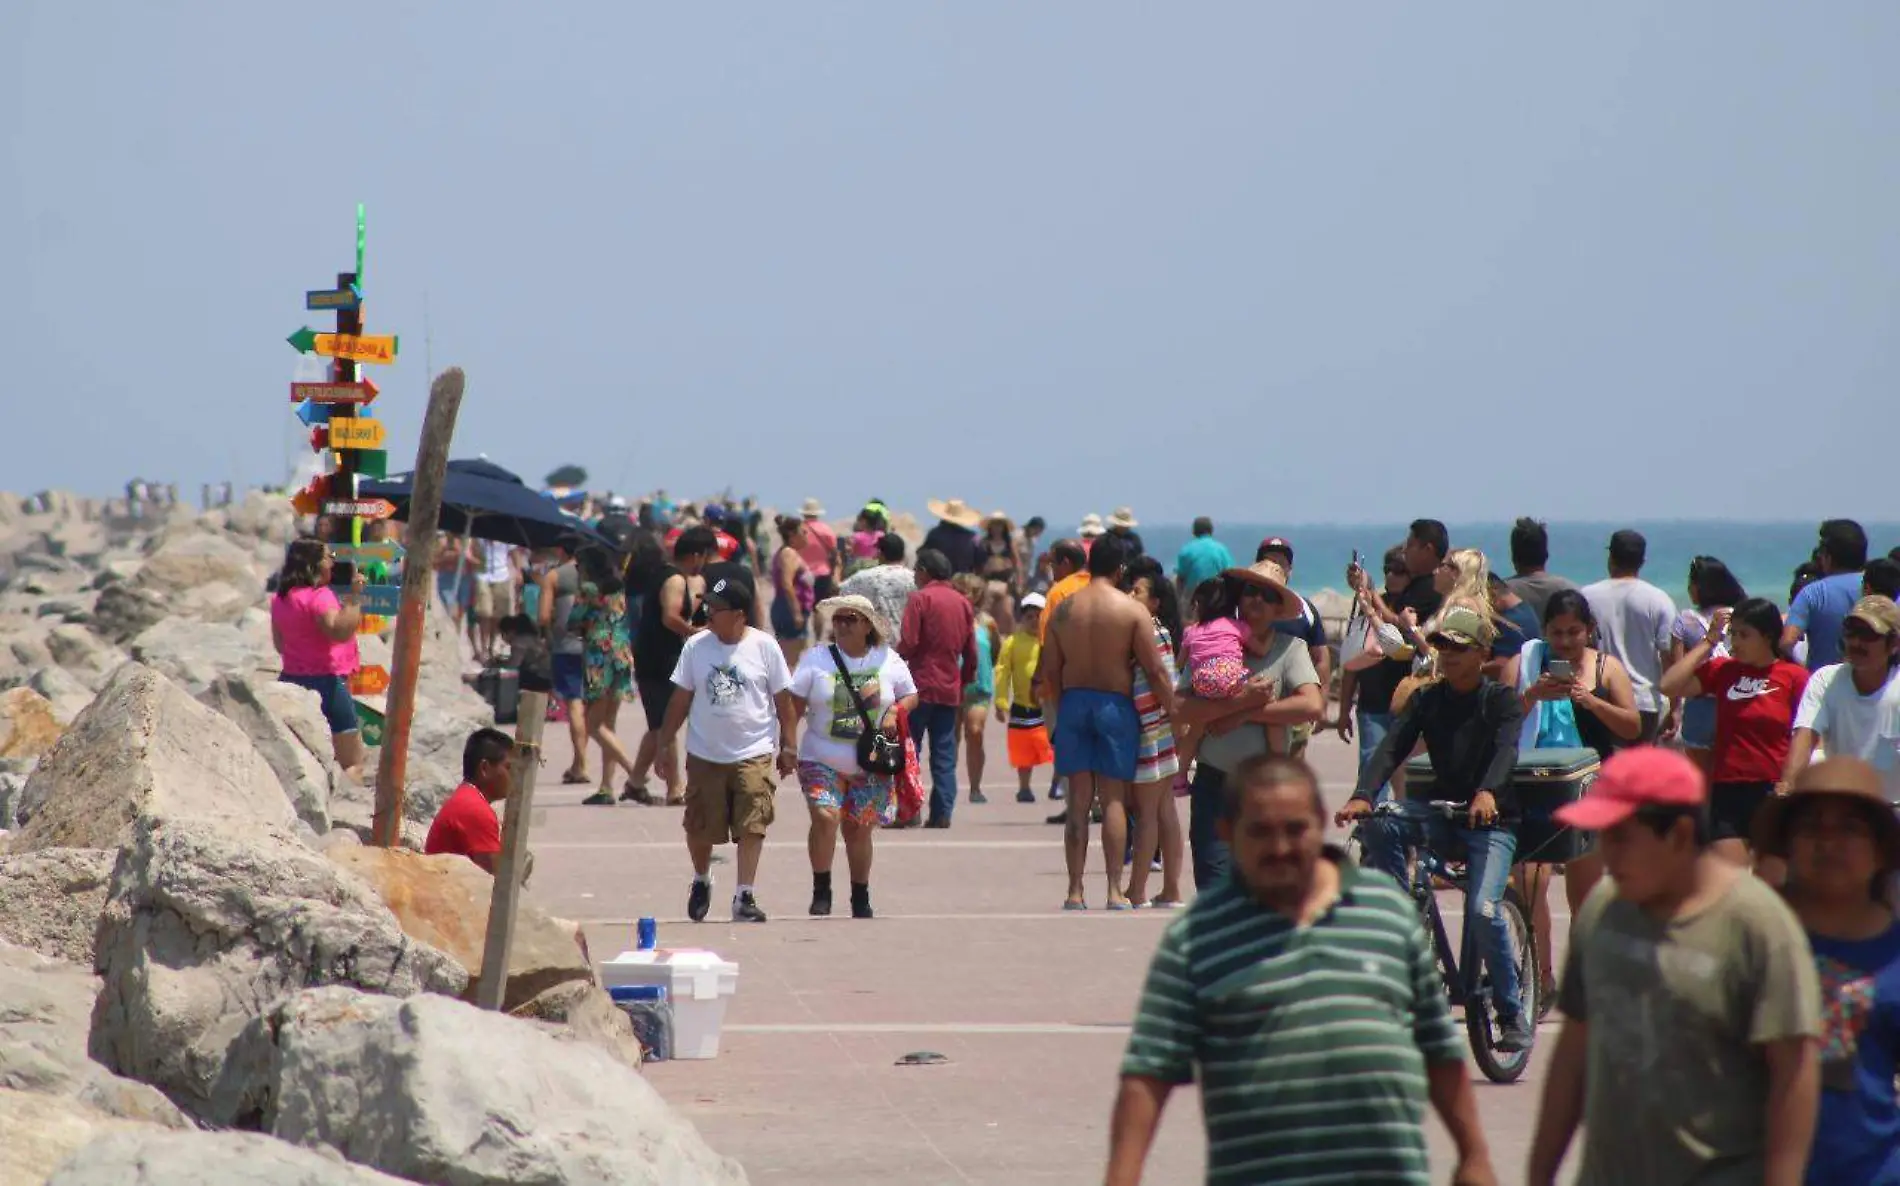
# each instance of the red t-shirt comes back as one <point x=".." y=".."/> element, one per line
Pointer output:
<point x="1754" y="716"/>
<point x="728" y="546"/>
<point x="466" y="825"/>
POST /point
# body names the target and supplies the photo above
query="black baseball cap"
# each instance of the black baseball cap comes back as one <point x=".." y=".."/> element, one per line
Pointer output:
<point x="1274" y="543"/>
<point x="731" y="589"/>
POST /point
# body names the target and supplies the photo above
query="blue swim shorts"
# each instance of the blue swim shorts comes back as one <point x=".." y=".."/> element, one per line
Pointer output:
<point x="570" y="678"/>
<point x="339" y="707"/>
<point x="1097" y="733"/>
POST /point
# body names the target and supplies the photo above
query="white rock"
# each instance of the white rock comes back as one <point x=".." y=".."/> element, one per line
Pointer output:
<point x="50" y="900"/>
<point x="83" y="654"/>
<point x="155" y="1158"/>
<point x="144" y="746"/>
<point x="197" y="653"/>
<point x="42" y="1131"/>
<point x="436" y="1090"/>
<point x="208" y="922"/>
<point x="304" y="777"/>
<point x="185" y="558"/>
<point x="68" y="696"/>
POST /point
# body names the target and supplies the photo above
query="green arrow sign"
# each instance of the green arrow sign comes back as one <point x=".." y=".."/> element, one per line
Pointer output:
<point x="372" y="463"/>
<point x="304" y="340"/>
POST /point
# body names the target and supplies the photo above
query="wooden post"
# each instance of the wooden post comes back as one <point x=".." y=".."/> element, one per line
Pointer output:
<point x="418" y="586"/>
<point x="509" y="870"/>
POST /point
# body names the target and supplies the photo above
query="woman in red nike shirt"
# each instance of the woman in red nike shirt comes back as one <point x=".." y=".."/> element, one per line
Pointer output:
<point x="1756" y="693"/>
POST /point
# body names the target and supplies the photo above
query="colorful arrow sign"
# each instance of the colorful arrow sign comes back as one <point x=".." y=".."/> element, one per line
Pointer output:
<point x="360" y="508"/>
<point x="381" y="600"/>
<point x="379" y="552"/>
<point x="313" y="414"/>
<point x="370" y="681"/>
<point x="372" y="463"/>
<point x="377" y="348"/>
<point x="361" y="392"/>
<point x="373" y="624"/>
<point x="356" y="432"/>
<point x="332" y="298"/>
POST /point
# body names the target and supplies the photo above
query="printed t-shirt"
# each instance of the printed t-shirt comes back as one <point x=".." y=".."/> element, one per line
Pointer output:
<point x="832" y="724"/>
<point x="466" y="825"/>
<point x="1201" y="559"/>
<point x="1754" y="717"/>
<point x="1857" y="1138"/>
<point x="733" y="684"/>
<point x="1819" y="610"/>
<point x="307" y="650"/>
<point x="1855" y="726"/>
<point x="1676" y="1086"/>
<point x="888" y="586"/>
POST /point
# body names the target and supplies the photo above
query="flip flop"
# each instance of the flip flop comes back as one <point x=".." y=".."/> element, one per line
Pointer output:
<point x="1121" y="906"/>
<point x="1075" y="905"/>
<point x="1165" y="903"/>
<point x="1134" y="905"/>
<point x="571" y="779"/>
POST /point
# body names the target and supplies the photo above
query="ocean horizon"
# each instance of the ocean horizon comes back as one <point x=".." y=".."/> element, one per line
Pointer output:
<point x="1763" y="555"/>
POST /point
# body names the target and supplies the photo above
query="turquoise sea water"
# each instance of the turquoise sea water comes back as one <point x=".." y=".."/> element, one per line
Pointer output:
<point x="1762" y="555"/>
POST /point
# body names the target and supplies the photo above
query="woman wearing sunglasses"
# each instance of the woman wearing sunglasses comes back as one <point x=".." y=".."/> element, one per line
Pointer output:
<point x="838" y="792"/>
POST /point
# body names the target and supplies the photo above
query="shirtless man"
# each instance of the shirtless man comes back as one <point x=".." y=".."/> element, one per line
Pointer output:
<point x="1093" y="643"/>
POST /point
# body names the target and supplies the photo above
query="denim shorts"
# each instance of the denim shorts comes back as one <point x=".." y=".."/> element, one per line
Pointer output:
<point x="570" y="677"/>
<point x="339" y="708"/>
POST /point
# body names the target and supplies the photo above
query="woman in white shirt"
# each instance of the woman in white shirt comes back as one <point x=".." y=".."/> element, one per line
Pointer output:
<point x="1852" y="709"/>
<point x="838" y="792"/>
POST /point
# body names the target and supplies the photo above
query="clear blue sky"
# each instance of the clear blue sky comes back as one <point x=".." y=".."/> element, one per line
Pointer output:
<point x="1270" y="261"/>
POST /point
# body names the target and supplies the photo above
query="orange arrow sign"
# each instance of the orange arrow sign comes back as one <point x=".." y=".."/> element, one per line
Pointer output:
<point x="372" y="624"/>
<point x="360" y="508"/>
<point x="370" y="681"/>
<point x="356" y="432"/>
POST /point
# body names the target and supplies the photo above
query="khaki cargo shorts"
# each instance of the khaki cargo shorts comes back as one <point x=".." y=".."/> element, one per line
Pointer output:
<point x="727" y="800"/>
<point x="494" y="599"/>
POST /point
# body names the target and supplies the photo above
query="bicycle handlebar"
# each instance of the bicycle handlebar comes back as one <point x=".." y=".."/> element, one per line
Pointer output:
<point x="1444" y="807"/>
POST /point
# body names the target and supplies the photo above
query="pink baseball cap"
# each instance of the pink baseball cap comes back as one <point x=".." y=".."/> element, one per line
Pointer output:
<point x="1646" y="776"/>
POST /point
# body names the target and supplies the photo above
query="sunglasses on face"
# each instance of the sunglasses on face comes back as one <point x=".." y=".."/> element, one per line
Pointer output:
<point x="1266" y="595"/>
<point x="1396" y="570"/>
<point x="1451" y="646"/>
<point x="847" y="620"/>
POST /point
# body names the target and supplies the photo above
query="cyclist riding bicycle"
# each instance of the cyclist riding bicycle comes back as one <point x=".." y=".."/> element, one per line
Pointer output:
<point x="1469" y="723"/>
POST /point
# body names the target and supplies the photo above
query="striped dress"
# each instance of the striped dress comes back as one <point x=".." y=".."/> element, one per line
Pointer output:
<point x="1156" y="758"/>
<point x="1310" y="1042"/>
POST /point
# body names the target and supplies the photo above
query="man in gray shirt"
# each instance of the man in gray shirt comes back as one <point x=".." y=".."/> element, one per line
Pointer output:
<point x="1283" y="690"/>
<point x="1530" y="552"/>
<point x="1633" y="618"/>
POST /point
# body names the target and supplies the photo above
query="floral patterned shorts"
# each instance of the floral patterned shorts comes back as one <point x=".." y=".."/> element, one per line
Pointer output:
<point x="865" y="799"/>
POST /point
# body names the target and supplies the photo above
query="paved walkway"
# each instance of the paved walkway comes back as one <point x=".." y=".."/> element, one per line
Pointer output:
<point x="970" y="957"/>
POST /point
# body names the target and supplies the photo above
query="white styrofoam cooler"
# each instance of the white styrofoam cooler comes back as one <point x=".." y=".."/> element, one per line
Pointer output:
<point x="698" y="985"/>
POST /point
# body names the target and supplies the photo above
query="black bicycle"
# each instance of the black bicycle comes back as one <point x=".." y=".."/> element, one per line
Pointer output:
<point x="1467" y="984"/>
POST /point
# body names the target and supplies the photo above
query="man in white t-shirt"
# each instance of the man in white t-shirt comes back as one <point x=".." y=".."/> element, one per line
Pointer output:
<point x="1633" y="619"/>
<point x="1852" y="708"/>
<point x="494" y="592"/>
<point x="737" y="711"/>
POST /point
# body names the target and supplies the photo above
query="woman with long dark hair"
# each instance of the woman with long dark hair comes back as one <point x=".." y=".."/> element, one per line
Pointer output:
<point x="1756" y="693"/>
<point x="600" y="618"/>
<point x="794" y="591"/>
<point x="1711" y="587"/>
<point x="1157" y="819"/>
<point x="315" y="634"/>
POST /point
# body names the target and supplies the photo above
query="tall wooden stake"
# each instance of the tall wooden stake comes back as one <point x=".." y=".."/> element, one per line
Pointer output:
<point x="418" y="585"/>
<point x="492" y="990"/>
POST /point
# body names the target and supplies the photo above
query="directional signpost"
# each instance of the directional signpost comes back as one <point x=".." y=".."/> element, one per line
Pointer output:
<point x="370" y="680"/>
<point x="379" y="348"/>
<point x="363" y="392"/>
<point x="332" y="298"/>
<point x="356" y="432"/>
<point x="381" y="552"/>
<point x="380" y="600"/>
<point x="360" y="508"/>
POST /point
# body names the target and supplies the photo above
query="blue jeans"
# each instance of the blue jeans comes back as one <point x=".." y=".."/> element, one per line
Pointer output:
<point x="1488" y="861"/>
<point x="1373" y="726"/>
<point x="937" y="724"/>
<point x="1209" y="851"/>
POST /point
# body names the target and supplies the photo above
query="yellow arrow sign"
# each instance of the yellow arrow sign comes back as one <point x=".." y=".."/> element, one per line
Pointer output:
<point x="379" y="348"/>
<point x="356" y="432"/>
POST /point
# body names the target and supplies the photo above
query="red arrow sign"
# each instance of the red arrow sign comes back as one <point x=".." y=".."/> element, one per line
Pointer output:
<point x="370" y="681"/>
<point x="361" y="508"/>
<point x="364" y="392"/>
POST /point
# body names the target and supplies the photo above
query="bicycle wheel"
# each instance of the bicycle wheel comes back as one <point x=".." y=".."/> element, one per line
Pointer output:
<point x="1481" y="1014"/>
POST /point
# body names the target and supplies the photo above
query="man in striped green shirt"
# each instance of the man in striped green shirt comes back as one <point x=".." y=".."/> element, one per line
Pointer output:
<point x="1304" y="993"/>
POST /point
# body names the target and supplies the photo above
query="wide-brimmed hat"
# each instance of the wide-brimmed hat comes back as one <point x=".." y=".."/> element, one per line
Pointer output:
<point x="1844" y="778"/>
<point x="993" y="516"/>
<point x="1091" y="527"/>
<point x="813" y="509"/>
<point x="1123" y="519"/>
<point x="955" y="511"/>
<point x="857" y="603"/>
<point x="1268" y="575"/>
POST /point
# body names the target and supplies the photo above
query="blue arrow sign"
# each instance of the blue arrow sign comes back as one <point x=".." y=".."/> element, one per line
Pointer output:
<point x="332" y="298"/>
<point x="381" y="600"/>
<point x="385" y="552"/>
<point x="313" y="413"/>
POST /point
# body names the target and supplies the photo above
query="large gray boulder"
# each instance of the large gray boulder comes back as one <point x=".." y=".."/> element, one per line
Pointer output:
<point x="209" y="921"/>
<point x="305" y="778"/>
<point x="144" y="746"/>
<point x="123" y="612"/>
<point x="65" y="692"/>
<point x="51" y="900"/>
<point x="438" y="1091"/>
<point x="263" y="517"/>
<point x="196" y="653"/>
<point x="149" y="1157"/>
<point x="38" y="1133"/>
<point x="45" y="1010"/>
<point x="189" y="558"/>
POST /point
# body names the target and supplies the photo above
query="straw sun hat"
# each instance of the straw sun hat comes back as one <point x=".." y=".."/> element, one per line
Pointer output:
<point x="955" y="511"/>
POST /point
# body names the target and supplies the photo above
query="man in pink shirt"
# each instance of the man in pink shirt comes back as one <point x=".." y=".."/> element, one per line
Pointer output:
<point x="820" y="552"/>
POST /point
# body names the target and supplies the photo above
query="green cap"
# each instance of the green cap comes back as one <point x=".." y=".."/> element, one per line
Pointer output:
<point x="1466" y="627"/>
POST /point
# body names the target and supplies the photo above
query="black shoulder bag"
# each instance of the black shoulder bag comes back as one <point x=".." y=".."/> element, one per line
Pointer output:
<point x="878" y="752"/>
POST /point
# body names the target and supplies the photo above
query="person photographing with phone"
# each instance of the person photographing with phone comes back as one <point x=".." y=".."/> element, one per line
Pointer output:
<point x="1469" y="724"/>
<point x="314" y="631"/>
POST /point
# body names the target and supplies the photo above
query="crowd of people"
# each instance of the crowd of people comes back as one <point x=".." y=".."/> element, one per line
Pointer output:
<point x="1732" y="985"/>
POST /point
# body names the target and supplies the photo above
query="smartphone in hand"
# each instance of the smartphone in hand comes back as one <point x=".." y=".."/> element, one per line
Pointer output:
<point x="1561" y="669"/>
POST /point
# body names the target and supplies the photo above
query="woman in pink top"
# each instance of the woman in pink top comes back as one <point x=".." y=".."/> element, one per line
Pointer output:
<point x="315" y="634"/>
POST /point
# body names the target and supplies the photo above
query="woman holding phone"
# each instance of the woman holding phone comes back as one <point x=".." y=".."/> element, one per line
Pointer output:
<point x="1575" y="697"/>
